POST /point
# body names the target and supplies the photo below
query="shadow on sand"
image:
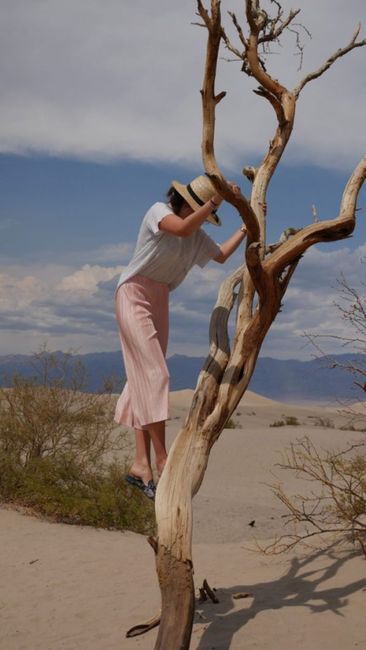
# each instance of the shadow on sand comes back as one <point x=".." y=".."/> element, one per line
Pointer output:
<point x="300" y="586"/>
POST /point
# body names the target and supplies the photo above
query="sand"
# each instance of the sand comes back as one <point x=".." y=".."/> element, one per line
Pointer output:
<point x="78" y="588"/>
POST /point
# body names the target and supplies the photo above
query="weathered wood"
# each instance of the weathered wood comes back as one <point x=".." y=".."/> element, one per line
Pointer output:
<point x="142" y="628"/>
<point x="262" y="282"/>
<point x="178" y="602"/>
<point x="210" y="592"/>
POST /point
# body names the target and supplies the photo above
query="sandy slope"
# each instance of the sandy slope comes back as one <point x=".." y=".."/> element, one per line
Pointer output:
<point x="71" y="588"/>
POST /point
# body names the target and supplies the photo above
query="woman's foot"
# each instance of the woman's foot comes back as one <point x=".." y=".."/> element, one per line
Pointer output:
<point x="143" y="472"/>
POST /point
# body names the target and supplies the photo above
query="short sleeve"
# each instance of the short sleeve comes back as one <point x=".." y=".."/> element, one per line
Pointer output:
<point x="156" y="213"/>
<point x="207" y="250"/>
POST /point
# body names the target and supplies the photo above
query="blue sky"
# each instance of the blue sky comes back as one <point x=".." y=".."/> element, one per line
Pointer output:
<point x="94" y="124"/>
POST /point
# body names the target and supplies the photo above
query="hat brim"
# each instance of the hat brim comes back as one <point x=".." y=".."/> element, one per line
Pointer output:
<point x="212" y="218"/>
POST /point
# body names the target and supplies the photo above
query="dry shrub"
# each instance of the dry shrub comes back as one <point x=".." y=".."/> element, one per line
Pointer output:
<point x="59" y="449"/>
<point x="334" y="504"/>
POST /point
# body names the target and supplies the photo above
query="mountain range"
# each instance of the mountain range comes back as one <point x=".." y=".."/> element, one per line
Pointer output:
<point x="286" y="380"/>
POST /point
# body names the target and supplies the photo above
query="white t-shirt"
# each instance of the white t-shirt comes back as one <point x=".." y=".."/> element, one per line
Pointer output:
<point x="164" y="257"/>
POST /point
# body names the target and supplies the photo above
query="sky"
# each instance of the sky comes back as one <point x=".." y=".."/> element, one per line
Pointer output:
<point x="100" y="110"/>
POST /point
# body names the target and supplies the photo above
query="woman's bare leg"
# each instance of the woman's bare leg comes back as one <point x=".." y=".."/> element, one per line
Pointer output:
<point x="142" y="464"/>
<point x="157" y="434"/>
<point x="154" y="433"/>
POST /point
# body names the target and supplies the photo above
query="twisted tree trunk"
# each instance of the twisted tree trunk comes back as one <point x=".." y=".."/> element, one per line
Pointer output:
<point x="262" y="282"/>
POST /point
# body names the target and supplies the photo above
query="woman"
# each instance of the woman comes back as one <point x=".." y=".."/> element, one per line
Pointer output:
<point x="170" y="242"/>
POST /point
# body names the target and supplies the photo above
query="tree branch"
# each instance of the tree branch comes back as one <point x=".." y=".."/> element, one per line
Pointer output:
<point x="275" y="32"/>
<point x="329" y="62"/>
<point x="219" y="350"/>
<point x="322" y="231"/>
<point x="209" y="102"/>
<point x="238" y="28"/>
<point x="258" y="20"/>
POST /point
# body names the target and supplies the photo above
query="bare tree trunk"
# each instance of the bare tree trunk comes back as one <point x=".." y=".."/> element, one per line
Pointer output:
<point x="263" y="281"/>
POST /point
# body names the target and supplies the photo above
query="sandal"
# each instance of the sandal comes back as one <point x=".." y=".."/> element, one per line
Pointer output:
<point x="148" y="489"/>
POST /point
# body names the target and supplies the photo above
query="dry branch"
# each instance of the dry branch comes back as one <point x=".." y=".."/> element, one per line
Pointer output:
<point x="142" y="628"/>
<point x="210" y="592"/>
<point x="329" y="62"/>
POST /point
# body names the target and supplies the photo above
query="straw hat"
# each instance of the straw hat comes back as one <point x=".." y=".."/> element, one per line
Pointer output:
<point x="197" y="193"/>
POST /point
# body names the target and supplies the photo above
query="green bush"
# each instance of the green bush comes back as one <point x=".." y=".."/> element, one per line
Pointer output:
<point x="231" y="424"/>
<point x="289" y="421"/>
<point x="59" y="450"/>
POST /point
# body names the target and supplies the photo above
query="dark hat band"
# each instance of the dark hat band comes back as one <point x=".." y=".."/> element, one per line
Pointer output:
<point x="195" y="197"/>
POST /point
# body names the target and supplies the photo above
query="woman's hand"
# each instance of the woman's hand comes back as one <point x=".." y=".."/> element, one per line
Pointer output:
<point x="216" y="199"/>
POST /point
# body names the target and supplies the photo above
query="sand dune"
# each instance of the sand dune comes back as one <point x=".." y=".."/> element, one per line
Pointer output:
<point x="72" y="588"/>
<point x="182" y="398"/>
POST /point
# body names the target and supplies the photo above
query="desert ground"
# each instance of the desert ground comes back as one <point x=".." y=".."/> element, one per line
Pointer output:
<point x="78" y="588"/>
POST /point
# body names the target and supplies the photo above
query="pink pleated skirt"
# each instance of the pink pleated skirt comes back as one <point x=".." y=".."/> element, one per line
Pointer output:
<point x="142" y="310"/>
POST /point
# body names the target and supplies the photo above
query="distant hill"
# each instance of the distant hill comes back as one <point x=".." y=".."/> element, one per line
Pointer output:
<point x="285" y="380"/>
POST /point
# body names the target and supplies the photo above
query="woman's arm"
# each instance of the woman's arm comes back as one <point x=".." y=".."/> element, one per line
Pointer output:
<point x="228" y="247"/>
<point x="185" y="226"/>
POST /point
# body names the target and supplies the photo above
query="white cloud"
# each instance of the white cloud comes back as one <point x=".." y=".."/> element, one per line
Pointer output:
<point x="103" y="79"/>
<point x="18" y="293"/>
<point x="73" y="307"/>
<point x="310" y="303"/>
<point x="67" y="307"/>
<point x="87" y="279"/>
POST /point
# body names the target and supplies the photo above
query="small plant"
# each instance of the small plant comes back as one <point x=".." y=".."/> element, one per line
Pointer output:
<point x="289" y="421"/>
<point x="54" y="444"/>
<point x="231" y="424"/>
<point x="319" y="421"/>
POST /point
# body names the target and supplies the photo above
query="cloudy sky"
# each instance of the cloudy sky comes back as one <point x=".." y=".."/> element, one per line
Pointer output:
<point x="100" y="110"/>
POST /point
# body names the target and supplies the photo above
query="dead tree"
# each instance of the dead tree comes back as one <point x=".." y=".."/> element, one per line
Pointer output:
<point x="258" y="287"/>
